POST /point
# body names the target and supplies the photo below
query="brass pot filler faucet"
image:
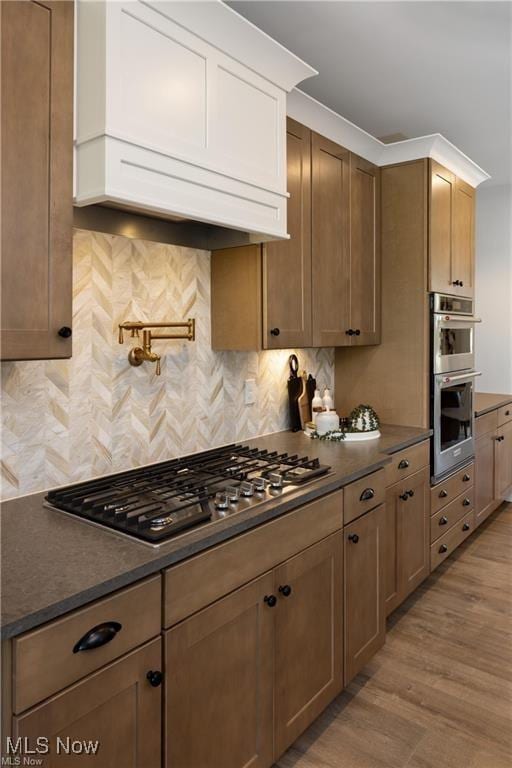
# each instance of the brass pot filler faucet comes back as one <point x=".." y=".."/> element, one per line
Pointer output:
<point x="138" y="355"/>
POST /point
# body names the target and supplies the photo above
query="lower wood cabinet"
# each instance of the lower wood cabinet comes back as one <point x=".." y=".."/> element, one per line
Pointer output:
<point x="503" y="460"/>
<point x="117" y="707"/>
<point x="407" y="538"/>
<point x="219" y="683"/>
<point x="485" y="497"/>
<point x="365" y="619"/>
<point x="308" y="637"/>
<point x="245" y="676"/>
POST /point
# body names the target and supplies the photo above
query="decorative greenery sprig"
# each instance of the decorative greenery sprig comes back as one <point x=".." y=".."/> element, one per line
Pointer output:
<point x="334" y="434"/>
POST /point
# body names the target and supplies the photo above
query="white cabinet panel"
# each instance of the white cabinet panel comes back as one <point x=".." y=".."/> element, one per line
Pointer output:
<point x="181" y="127"/>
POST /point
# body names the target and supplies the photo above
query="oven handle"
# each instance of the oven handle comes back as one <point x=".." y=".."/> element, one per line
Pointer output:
<point x="452" y="319"/>
<point x="460" y="376"/>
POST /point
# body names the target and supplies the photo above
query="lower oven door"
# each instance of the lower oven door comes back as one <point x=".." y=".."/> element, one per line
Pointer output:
<point x="454" y="420"/>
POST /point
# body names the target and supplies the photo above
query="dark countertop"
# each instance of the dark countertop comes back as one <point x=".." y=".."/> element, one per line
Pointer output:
<point x="486" y="402"/>
<point x="52" y="563"/>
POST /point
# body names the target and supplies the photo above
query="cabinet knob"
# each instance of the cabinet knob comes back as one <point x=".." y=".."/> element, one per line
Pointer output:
<point x="275" y="331"/>
<point x="367" y="494"/>
<point x="461" y="283"/>
<point x="404" y="496"/>
<point x="65" y="332"/>
<point x="466" y="503"/>
<point x="457" y="282"/>
<point x="507" y="413"/>
<point x="466" y="478"/>
<point x="443" y="494"/>
<point x="155" y="678"/>
<point x="285" y="590"/>
<point x="466" y="527"/>
<point x="442" y="549"/>
<point x="443" y="520"/>
<point x="350" y="332"/>
<point x="410" y="493"/>
<point x="353" y="537"/>
<point x="403" y="464"/>
<point x="357" y="332"/>
<point x="270" y="600"/>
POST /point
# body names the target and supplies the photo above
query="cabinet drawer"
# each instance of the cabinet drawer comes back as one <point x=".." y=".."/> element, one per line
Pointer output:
<point x="443" y="520"/>
<point x="486" y="423"/>
<point x="195" y="583"/>
<point x="442" y="493"/>
<point x="407" y="462"/>
<point x="504" y="414"/>
<point x="44" y="659"/>
<point x="451" y="540"/>
<point x="363" y="495"/>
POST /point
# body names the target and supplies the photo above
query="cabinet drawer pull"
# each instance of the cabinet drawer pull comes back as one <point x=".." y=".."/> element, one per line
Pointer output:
<point x="466" y="478"/>
<point x="285" y="590"/>
<point x="353" y="537"/>
<point x="442" y="549"/>
<point x="367" y="494"/>
<point x="270" y="600"/>
<point x="155" y="677"/>
<point x="98" y="636"/>
<point x="466" y="503"/>
<point x="466" y="527"/>
<point x="443" y="494"/>
<point x="443" y="520"/>
<point x="403" y="464"/>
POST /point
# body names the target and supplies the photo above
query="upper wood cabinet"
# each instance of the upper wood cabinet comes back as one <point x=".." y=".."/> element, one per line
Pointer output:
<point x="287" y="263"/>
<point x="451" y="233"/>
<point x="37" y="174"/>
<point x="322" y="287"/>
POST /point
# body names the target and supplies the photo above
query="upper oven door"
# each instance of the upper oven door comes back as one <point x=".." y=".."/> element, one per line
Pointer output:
<point x="453" y="342"/>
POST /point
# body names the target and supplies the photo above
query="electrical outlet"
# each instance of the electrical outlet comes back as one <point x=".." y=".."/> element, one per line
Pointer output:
<point x="250" y="391"/>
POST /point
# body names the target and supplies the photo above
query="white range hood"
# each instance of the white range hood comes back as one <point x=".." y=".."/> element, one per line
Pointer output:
<point x="181" y="112"/>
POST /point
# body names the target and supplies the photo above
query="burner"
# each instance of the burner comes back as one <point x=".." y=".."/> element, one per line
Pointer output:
<point x="154" y="503"/>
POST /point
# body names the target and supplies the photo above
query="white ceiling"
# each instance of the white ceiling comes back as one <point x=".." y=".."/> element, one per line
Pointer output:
<point x="406" y="67"/>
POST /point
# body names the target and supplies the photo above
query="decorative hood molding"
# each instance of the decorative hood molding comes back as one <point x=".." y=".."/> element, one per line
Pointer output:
<point x="305" y="109"/>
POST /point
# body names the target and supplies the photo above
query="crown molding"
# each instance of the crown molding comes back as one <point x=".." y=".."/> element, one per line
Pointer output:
<point x="307" y="110"/>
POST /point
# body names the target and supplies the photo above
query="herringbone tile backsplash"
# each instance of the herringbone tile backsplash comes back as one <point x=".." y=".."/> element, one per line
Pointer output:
<point x="69" y="420"/>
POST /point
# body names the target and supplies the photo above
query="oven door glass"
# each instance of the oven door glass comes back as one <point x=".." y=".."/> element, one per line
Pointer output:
<point x="455" y="341"/>
<point x="456" y="422"/>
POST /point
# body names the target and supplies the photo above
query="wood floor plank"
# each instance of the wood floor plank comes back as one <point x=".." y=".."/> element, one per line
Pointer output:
<point x="439" y="694"/>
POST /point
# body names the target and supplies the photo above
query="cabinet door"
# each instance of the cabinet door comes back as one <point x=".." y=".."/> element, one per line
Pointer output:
<point x="219" y="683"/>
<point x="37" y="171"/>
<point x="287" y="263"/>
<point x="390" y="565"/>
<point x="365" y="627"/>
<point x="330" y="239"/>
<point x="308" y="637"/>
<point x="413" y="524"/>
<point x="463" y="247"/>
<point x="364" y="251"/>
<point x="485" y="500"/>
<point x="117" y="707"/>
<point x="442" y="184"/>
<point x="503" y="460"/>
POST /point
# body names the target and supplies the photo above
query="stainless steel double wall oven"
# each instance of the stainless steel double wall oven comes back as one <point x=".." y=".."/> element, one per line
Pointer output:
<point x="452" y="382"/>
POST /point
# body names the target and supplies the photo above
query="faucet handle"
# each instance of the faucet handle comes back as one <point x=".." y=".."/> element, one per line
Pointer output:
<point x="158" y="370"/>
<point x="135" y="332"/>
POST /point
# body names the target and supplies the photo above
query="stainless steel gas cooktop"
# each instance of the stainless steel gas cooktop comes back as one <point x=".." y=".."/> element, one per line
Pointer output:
<point x="154" y="503"/>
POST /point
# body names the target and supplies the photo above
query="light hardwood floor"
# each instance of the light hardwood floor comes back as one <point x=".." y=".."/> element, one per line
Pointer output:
<point x="439" y="694"/>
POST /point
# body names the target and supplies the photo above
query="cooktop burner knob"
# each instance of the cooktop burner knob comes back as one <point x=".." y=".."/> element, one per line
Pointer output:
<point x="232" y="493"/>
<point x="259" y="484"/>
<point x="221" y="501"/>
<point x="246" y="488"/>
<point x="276" y="480"/>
